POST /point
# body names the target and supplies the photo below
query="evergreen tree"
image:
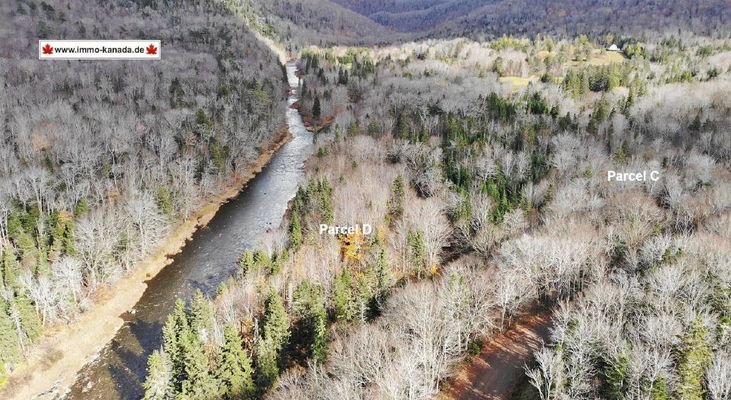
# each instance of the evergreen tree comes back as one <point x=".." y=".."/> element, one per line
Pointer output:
<point x="30" y="322"/>
<point x="343" y="297"/>
<point x="326" y="203"/>
<point x="295" y="231"/>
<point x="659" y="390"/>
<point x="324" y="193"/>
<point x="9" y="344"/>
<point x="695" y="359"/>
<point x="158" y="385"/>
<point x="276" y="321"/>
<point x="235" y="370"/>
<point x="177" y="322"/>
<point x="275" y="336"/>
<point x="10" y="267"/>
<point x="584" y="85"/>
<point x="81" y="208"/>
<point x="164" y="201"/>
<point x="267" y="367"/>
<point x="247" y="261"/>
<point x="68" y="237"/>
<point x="201" y="315"/>
<point x="199" y="384"/>
<point x="309" y="306"/>
<point x="395" y="204"/>
<point x="616" y="374"/>
<point x="417" y="251"/>
<point x="382" y="274"/>
<point x="316" y="108"/>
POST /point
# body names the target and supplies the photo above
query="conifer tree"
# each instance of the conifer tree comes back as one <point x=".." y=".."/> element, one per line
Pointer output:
<point x="382" y="272"/>
<point x="247" y="261"/>
<point x="309" y="306"/>
<point x="201" y="315"/>
<point x="267" y="368"/>
<point x="10" y="267"/>
<point x="324" y="196"/>
<point x="158" y="385"/>
<point x="275" y="335"/>
<point x="276" y="321"/>
<point x="395" y="204"/>
<point x="417" y="251"/>
<point x="199" y="384"/>
<point x="695" y="359"/>
<point x="30" y="322"/>
<point x="175" y="324"/>
<point x="343" y="297"/>
<point x="295" y="231"/>
<point x="235" y="370"/>
<point x="9" y="345"/>
<point x="316" y="108"/>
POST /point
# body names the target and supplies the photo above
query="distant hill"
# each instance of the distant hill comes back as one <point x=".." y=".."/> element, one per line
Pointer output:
<point x="322" y="22"/>
<point x="497" y="17"/>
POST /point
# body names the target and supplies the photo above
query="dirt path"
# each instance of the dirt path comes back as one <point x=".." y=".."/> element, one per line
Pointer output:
<point x="52" y="365"/>
<point x="498" y="369"/>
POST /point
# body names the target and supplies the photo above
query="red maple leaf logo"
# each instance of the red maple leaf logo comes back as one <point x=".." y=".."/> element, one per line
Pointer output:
<point x="47" y="49"/>
<point x="151" y="50"/>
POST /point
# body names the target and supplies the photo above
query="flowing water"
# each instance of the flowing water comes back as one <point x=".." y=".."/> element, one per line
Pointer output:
<point x="206" y="261"/>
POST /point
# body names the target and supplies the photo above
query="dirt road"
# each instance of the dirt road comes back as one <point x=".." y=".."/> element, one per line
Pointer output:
<point x="498" y="369"/>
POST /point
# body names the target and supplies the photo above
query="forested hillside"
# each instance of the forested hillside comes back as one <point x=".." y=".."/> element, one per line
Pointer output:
<point x="373" y="22"/>
<point x="99" y="159"/>
<point x="483" y="167"/>
<point x="295" y="23"/>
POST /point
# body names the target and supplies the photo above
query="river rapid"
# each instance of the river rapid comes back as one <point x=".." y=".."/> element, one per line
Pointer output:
<point x="208" y="259"/>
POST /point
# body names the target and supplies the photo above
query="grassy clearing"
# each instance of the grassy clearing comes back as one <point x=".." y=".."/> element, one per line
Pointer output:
<point x="518" y="82"/>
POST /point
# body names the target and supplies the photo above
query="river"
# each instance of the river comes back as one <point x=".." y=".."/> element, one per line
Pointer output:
<point x="207" y="260"/>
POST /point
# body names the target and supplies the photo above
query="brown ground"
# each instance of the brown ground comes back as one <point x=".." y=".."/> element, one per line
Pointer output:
<point x="498" y="369"/>
<point x="51" y="367"/>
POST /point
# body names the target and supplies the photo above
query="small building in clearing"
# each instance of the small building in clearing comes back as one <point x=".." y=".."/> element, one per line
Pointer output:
<point x="613" y="47"/>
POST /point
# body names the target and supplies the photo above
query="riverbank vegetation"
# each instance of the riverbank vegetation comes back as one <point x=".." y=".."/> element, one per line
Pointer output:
<point x="98" y="160"/>
<point x="490" y="197"/>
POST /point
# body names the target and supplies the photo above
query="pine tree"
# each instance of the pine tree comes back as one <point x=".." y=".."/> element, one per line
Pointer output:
<point x="164" y="201"/>
<point x="267" y="367"/>
<point x="276" y="321"/>
<point x="295" y="231"/>
<point x="343" y="297"/>
<point x="309" y="306"/>
<point x="584" y="85"/>
<point x="201" y="315"/>
<point x="659" y="390"/>
<point x="695" y="359"/>
<point x="275" y="335"/>
<point x="176" y="323"/>
<point x="395" y="204"/>
<point x="382" y="273"/>
<point x="324" y="196"/>
<point x="235" y="370"/>
<point x="9" y="344"/>
<point x="417" y="251"/>
<point x="158" y="385"/>
<point x="68" y="237"/>
<point x="30" y="322"/>
<point x="10" y="267"/>
<point x="616" y="374"/>
<point x="199" y="384"/>
<point x="316" y="108"/>
<point x="247" y="261"/>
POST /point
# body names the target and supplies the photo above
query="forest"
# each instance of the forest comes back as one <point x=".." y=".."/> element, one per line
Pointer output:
<point x="483" y="166"/>
<point x="98" y="161"/>
<point x="476" y="137"/>
<point x="298" y="23"/>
